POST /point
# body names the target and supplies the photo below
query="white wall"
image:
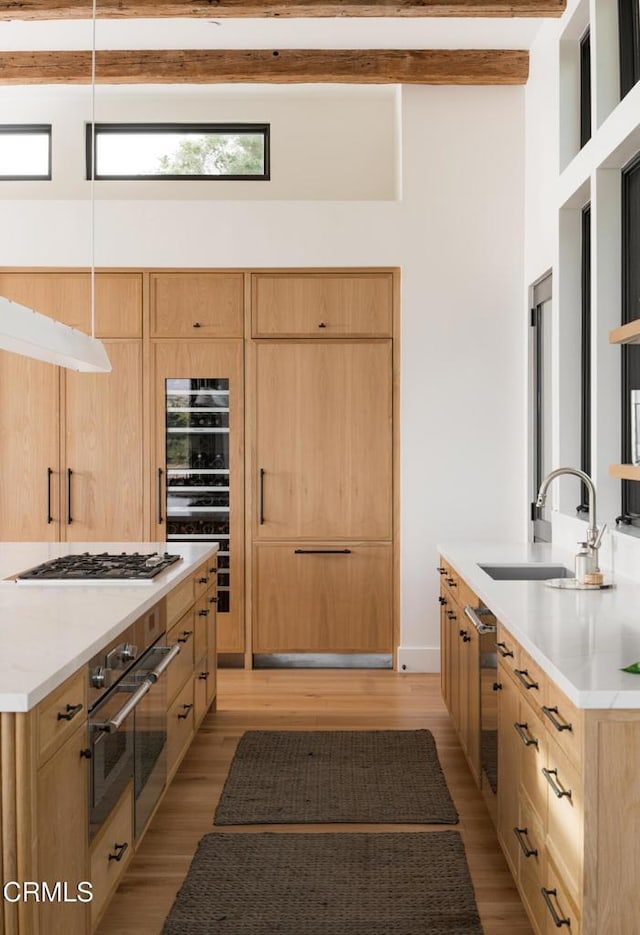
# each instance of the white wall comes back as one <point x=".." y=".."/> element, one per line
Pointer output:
<point x="457" y="234"/>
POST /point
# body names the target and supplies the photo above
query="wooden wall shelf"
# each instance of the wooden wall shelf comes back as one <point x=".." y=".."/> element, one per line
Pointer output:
<point x="626" y="334"/>
<point x="625" y="471"/>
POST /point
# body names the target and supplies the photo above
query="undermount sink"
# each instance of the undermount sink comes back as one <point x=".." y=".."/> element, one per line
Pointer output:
<point x="525" y="571"/>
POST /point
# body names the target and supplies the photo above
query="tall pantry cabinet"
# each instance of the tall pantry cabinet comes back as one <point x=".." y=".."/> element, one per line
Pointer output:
<point x="322" y="462"/>
<point x="72" y="455"/>
<point x="301" y="363"/>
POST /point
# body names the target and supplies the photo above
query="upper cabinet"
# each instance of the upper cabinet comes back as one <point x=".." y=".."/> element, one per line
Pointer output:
<point x="197" y="305"/>
<point x="322" y="305"/>
<point x="67" y="298"/>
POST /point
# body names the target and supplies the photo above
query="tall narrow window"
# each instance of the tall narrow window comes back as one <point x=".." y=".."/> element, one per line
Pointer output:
<point x="585" y="357"/>
<point x="541" y="402"/>
<point x="629" y="40"/>
<point x="25" y="152"/>
<point x="179" y="151"/>
<point x="630" y="312"/>
<point x="585" y="88"/>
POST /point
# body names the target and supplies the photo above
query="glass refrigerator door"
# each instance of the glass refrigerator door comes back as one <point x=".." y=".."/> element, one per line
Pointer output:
<point x="197" y="464"/>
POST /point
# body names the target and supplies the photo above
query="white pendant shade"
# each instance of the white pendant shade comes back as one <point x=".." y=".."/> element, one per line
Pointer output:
<point x="31" y="334"/>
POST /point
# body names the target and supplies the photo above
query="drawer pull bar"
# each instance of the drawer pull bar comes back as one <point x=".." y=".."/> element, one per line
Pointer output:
<point x="504" y="650"/>
<point x="185" y="636"/>
<point x="452" y="583"/>
<point x="70" y="712"/>
<point x="121" y="850"/>
<point x="204" y="676"/>
<point x="203" y="580"/>
<point x="159" y="497"/>
<point x="261" y="497"/>
<point x="547" y="894"/>
<point x="525" y="679"/>
<point x="521" y="834"/>
<point x="442" y="600"/>
<point x="527" y="741"/>
<point x="185" y="714"/>
<point x="465" y="636"/>
<point x="322" y="551"/>
<point x="558" y="790"/>
<point x="477" y="622"/>
<point x="559" y="725"/>
<point x="169" y="653"/>
<point x="451" y="614"/>
<point x="441" y="570"/>
<point x="69" y="517"/>
<point x="204" y="613"/>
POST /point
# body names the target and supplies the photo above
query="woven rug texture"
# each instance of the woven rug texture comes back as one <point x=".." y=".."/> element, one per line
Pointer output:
<point x="310" y="777"/>
<point x="411" y="883"/>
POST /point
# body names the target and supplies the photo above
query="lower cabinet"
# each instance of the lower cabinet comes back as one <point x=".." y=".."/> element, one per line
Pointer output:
<point x="180" y="723"/>
<point x="111" y="851"/>
<point x="323" y="598"/>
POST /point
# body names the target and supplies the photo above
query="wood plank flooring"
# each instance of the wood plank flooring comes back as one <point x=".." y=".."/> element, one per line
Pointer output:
<point x="306" y="699"/>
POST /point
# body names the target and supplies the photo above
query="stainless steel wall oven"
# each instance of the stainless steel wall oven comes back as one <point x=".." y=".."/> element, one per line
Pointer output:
<point x="127" y="719"/>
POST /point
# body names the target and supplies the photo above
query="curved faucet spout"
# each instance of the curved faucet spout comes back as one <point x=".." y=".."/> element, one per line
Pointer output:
<point x="592" y="531"/>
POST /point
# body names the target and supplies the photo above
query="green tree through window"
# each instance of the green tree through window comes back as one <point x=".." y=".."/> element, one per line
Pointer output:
<point x="216" y="154"/>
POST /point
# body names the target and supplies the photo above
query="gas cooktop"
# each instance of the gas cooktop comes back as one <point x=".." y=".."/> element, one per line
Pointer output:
<point x="103" y="568"/>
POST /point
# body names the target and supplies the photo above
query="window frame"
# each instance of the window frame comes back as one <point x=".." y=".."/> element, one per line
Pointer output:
<point x="585" y="354"/>
<point x="92" y="131"/>
<point x="23" y="129"/>
<point x="629" y="44"/>
<point x="630" y="353"/>
<point x="585" y="87"/>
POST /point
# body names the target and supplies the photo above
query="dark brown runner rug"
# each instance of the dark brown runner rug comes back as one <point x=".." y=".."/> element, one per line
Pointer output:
<point x="412" y="883"/>
<point x="311" y="777"/>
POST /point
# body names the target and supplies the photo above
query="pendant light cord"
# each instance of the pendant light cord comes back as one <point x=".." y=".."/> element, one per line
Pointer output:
<point x="93" y="170"/>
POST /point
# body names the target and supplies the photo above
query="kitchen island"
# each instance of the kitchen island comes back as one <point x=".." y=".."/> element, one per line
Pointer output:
<point x="568" y="728"/>
<point x="65" y="842"/>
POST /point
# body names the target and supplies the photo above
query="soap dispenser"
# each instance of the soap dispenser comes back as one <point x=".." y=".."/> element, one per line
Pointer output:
<point x="582" y="562"/>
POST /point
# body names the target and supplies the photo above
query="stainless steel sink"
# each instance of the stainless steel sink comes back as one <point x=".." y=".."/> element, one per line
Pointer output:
<point x="525" y="571"/>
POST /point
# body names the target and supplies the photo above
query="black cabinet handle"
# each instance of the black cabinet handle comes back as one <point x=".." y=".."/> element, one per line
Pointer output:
<point x="213" y="600"/>
<point x="527" y="741"/>
<point x="204" y="613"/>
<point x="465" y="636"/>
<point x="559" y="725"/>
<point x="261" y="497"/>
<point x="551" y="776"/>
<point x="442" y="601"/>
<point x="322" y="324"/>
<point x="451" y="614"/>
<point x="159" y="495"/>
<point x="452" y="583"/>
<point x="558" y="920"/>
<point x="497" y="686"/>
<point x="521" y="834"/>
<point x="525" y="679"/>
<point x="204" y="676"/>
<point x="69" y="518"/>
<point x="120" y="851"/>
<point x="213" y="570"/>
<point x="185" y="714"/>
<point x="197" y="324"/>
<point x="322" y="551"/>
<point x="442" y="570"/>
<point x="70" y="712"/>
<point x="185" y="636"/>
<point x="86" y="753"/>
<point x="202" y="580"/>
<point x="504" y="650"/>
<point x="49" y="516"/>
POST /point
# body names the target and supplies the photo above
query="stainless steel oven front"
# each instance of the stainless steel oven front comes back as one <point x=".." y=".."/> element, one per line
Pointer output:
<point x="127" y="734"/>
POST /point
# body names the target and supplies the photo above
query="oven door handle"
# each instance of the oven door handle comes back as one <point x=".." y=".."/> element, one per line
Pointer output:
<point x="116" y="722"/>
<point x="481" y="627"/>
<point x="170" y="654"/>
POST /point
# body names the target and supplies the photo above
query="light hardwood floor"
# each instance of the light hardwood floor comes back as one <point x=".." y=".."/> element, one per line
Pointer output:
<point x="306" y="699"/>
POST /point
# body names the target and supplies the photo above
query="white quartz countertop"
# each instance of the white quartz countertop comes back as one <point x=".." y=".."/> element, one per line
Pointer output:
<point x="581" y="639"/>
<point x="48" y="631"/>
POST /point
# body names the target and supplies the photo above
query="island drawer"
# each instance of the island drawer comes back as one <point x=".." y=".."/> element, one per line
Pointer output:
<point x="111" y="852"/>
<point x="508" y="649"/>
<point x="564" y="722"/>
<point x="183" y="633"/>
<point x="180" y="726"/>
<point x="60" y="713"/>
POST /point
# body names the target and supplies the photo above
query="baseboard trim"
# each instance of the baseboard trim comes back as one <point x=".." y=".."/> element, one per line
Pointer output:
<point x="418" y="659"/>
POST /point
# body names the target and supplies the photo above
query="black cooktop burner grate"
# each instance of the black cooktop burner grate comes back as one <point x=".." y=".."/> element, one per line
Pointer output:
<point x="102" y="566"/>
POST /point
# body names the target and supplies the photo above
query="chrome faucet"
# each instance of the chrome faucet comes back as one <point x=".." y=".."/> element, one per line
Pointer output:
<point x="594" y="535"/>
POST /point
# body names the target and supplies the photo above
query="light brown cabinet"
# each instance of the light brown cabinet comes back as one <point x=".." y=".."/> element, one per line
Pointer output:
<point x="111" y="853"/>
<point x="323" y="441"/>
<point x="197" y="304"/>
<point x="75" y="460"/>
<point x="327" y="305"/>
<point x="323" y="598"/>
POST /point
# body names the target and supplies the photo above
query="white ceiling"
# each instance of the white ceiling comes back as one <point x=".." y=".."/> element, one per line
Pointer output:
<point x="339" y="33"/>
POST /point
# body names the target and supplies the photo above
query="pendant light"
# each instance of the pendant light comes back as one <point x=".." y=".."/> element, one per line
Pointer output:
<point x="27" y="332"/>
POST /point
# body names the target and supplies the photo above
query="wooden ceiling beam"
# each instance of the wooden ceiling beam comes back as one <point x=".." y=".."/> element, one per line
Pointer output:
<point x="284" y="66"/>
<point x="218" y="9"/>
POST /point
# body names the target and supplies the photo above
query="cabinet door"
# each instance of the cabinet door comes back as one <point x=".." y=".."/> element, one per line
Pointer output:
<point x="471" y="730"/>
<point x="103" y="448"/>
<point x="323" y="446"/>
<point x="208" y="305"/>
<point x="323" y="600"/>
<point x="198" y="470"/>
<point x="508" y="768"/>
<point x="67" y="298"/>
<point x="30" y="450"/>
<point x="322" y="305"/>
<point x="62" y="811"/>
